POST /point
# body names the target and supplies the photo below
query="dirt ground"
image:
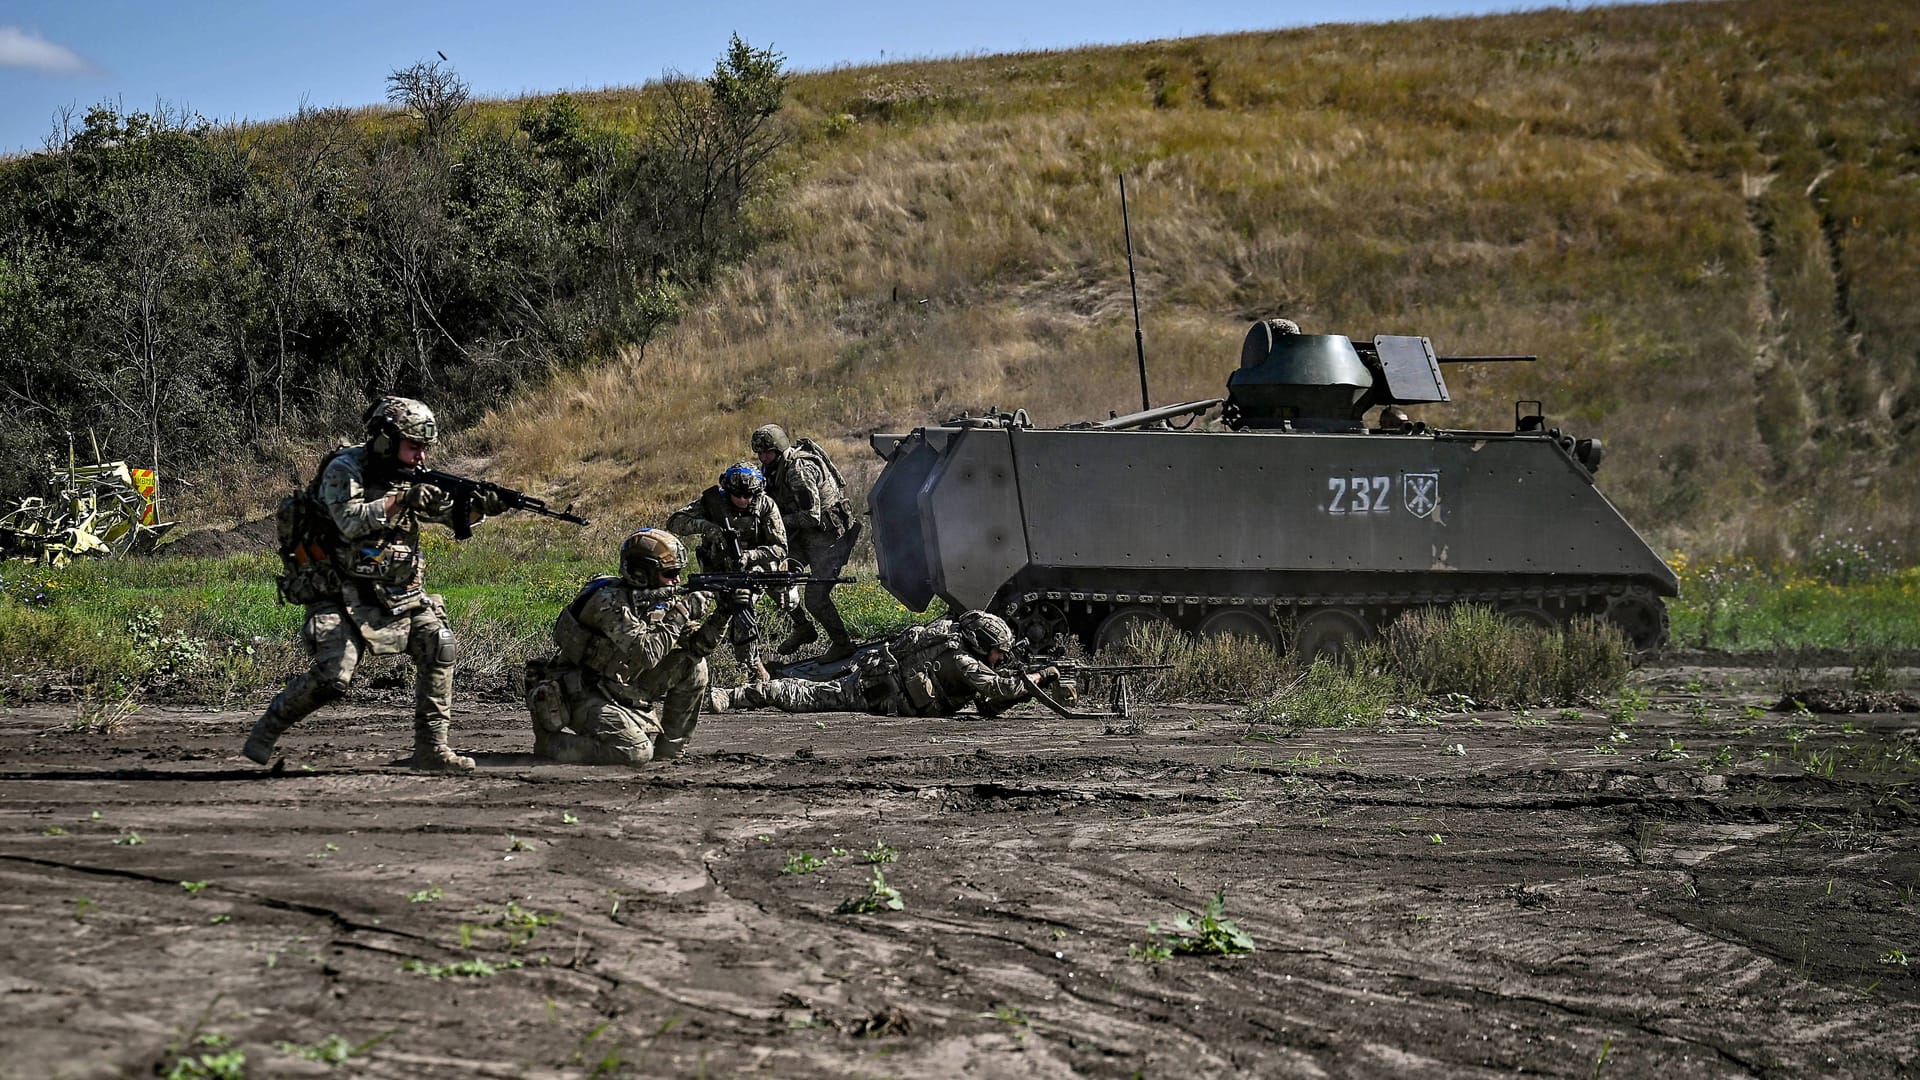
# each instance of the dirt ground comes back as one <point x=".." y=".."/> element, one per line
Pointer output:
<point x="1453" y="895"/>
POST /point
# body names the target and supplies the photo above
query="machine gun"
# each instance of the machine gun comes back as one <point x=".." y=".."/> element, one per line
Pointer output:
<point x="464" y="490"/>
<point x="1119" y="693"/>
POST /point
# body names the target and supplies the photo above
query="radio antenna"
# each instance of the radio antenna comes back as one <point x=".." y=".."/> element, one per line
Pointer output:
<point x="1139" y="341"/>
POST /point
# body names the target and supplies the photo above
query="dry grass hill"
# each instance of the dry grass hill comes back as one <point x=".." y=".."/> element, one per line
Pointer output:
<point x="1704" y="217"/>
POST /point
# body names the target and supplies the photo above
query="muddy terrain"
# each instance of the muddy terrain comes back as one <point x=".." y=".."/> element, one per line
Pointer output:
<point x="1605" y="892"/>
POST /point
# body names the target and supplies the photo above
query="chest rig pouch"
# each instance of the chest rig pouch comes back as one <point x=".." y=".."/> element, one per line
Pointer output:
<point x="391" y="571"/>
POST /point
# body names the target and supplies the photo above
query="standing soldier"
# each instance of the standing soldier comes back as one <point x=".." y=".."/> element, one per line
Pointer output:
<point x="821" y="529"/>
<point x="739" y="529"/>
<point x="364" y="587"/>
<point x="630" y="670"/>
<point x="931" y="670"/>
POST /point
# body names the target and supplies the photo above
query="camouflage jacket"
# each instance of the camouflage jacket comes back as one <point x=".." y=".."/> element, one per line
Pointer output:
<point x="932" y="659"/>
<point x="807" y="495"/>
<point x="381" y="553"/>
<point x="763" y="539"/>
<point x="618" y="632"/>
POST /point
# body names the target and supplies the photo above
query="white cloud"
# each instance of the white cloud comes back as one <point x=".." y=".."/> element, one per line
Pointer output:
<point x="19" y="48"/>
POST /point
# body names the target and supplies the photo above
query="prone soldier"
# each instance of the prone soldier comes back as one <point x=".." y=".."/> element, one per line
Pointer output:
<point x="931" y="670"/>
<point x="362" y="579"/>
<point x="739" y="530"/>
<point x="821" y="529"/>
<point x="629" y="672"/>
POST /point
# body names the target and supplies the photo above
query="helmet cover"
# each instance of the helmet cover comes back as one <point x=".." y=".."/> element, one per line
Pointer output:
<point x="771" y="437"/>
<point x="648" y="554"/>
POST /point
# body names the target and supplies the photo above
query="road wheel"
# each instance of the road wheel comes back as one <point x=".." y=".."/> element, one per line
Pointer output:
<point x="1043" y="624"/>
<point x="1641" y="616"/>
<point x="1529" y="615"/>
<point x="1331" y="633"/>
<point x="1116" y="628"/>
<point x="1241" y="622"/>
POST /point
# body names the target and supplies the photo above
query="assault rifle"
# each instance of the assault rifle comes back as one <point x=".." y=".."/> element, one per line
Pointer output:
<point x="745" y="627"/>
<point x="757" y="581"/>
<point x="464" y="490"/>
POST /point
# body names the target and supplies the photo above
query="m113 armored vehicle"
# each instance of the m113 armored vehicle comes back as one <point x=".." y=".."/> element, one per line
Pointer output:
<point x="1299" y="524"/>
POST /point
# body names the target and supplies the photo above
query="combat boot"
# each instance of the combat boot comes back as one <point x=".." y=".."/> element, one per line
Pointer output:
<point x="839" y="650"/>
<point x="431" y="752"/>
<point x="803" y="634"/>
<point x="266" y="731"/>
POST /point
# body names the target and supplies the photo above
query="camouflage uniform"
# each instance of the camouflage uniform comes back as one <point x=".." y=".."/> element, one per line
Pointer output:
<point x="821" y="532"/>
<point x="380" y="608"/>
<point x="763" y="544"/>
<point x="922" y="671"/>
<point x="629" y="674"/>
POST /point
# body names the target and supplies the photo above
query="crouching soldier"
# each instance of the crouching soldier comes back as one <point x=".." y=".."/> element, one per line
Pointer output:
<point x="629" y="673"/>
<point x="361" y="577"/>
<point x="931" y="670"/>
<point x="739" y="530"/>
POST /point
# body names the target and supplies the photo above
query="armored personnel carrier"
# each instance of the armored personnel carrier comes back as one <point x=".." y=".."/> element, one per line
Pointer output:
<point x="1287" y="517"/>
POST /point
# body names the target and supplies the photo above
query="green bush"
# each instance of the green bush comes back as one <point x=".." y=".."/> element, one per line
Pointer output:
<point x="1476" y="652"/>
<point x="1228" y="668"/>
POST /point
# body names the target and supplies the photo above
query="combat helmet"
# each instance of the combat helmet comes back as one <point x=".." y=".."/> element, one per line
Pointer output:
<point x="649" y="556"/>
<point x="980" y="633"/>
<point x="771" y="437"/>
<point x="394" y="418"/>
<point x="744" y="479"/>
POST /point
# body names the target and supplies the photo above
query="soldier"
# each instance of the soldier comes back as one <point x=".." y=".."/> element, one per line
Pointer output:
<point x="821" y="529"/>
<point x="931" y="670"/>
<point x="623" y="645"/>
<point x="739" y="529"/>
<point x="370" y="598"/>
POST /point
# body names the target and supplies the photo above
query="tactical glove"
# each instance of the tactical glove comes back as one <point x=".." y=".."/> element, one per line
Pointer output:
<point x="422" y="497"/>
<point x="492" y="502"/>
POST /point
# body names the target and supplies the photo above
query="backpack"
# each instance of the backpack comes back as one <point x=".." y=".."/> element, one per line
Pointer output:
<point x="839" y="514"/>
<point x="819" y="453"/>
<point x="308" y="539"/>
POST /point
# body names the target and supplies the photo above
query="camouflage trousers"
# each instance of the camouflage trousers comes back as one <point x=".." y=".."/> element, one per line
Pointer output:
<point x="337" y="637"/>
<point x="803" y="695"/>
<point x="750" y="650"/>
<point x="825" y="555"/>
<point x="578" y="721"/>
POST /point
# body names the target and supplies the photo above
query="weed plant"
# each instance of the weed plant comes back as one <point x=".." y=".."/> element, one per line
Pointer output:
<point x="1330" y="693"/>
<point x="1201" y="933"/>
<point x="879" y="897"/>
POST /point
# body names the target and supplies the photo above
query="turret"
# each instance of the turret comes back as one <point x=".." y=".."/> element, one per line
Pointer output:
<point x="1305" y="382"/>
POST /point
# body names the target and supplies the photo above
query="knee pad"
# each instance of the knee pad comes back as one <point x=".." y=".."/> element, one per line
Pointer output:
<point x="436" y="646"/>
<point x="331" y="687"/>
<point x="548" y="709"/>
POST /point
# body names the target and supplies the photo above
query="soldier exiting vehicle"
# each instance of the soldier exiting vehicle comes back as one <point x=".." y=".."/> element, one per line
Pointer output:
<point x="360" y="573"/>
<point x="931" y="670"/>
<point x="630" y="672"/>
<point x="739" y="530"/>
<point x="821" y="529"/>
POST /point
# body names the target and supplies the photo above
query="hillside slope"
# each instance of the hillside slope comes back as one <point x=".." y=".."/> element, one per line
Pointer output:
<point x="1705" y="219"/>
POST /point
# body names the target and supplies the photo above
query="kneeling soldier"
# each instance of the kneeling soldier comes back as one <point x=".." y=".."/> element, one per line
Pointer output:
<point x="931" y="670"/>
<point x="630" y="671"/>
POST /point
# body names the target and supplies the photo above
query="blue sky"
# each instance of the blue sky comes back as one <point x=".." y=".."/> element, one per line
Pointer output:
<point x="259" y="59"/>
